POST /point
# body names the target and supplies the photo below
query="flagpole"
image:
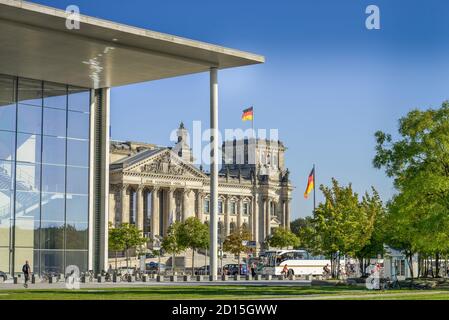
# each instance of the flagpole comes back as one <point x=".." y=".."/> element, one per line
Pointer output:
<point x="314" y="185"/>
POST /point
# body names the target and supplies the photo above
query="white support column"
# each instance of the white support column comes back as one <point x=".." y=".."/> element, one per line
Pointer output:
<point x="99" y="180"/>
<point x="214" y="172"/>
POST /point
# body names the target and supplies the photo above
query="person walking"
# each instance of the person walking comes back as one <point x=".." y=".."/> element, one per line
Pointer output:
<point x="284" y="271"/>
<point x="26" y="269"/>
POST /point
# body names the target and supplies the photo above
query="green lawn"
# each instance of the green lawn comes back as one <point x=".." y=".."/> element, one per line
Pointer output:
<point x="218" y="292"/>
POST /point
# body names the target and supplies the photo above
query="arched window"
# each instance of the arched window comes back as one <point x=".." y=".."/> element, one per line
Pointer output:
<point x="245" y="226"/>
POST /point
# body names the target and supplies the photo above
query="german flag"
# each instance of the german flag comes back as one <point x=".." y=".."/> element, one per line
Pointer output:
<point x="310" y="183"/>
<point x="247" y="114"/>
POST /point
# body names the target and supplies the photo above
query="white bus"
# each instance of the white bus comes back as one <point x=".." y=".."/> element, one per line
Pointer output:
<point x="299" y="262"/>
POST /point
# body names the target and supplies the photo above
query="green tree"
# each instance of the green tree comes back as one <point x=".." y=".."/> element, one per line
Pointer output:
<point x="126" y="237"/>
<point x="375" y="209"/>
<point x="194" y="234"/>
<point x="341" y="225"/>
<point x="418" y="215"/>
<point x="116" y="241"/>
<point x="172" y="243"/>
<point x="234" y="242"/>
<point x="283" y="238"/>
<point x="298" y="224"/>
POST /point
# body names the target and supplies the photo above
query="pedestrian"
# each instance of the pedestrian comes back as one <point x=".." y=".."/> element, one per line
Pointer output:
<point x="26" y="269"/>
<point x="285" y="271"/>
<point x="253" y="269"/>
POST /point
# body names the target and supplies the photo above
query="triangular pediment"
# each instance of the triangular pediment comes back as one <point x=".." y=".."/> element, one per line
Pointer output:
<point x="164" y="162"/>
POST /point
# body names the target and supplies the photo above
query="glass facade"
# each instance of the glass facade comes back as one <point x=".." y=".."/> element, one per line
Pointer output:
<point x="44" y="175"/>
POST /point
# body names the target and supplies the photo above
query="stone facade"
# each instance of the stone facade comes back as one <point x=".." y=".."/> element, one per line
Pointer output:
<point x="152" y="186"/>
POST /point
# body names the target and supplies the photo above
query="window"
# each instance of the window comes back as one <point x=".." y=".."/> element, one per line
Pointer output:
<point x="245" y="208"/>
<point x="7" y="116"/>
<point x="54" y="122"/>
<point x="29" y="119"/>
<point x="206" y="206"/>
<point x="7" y="145"/>
<point x="28" y="147"/>
<point x="55" y="95"/>
<point x="53" y="150"/>
<point x="220" y="206"/>
<point x="233" y="207"/>
<point x="44" y="178"/>
<point x="78" y="126"/>
<point x="78" y="153"/>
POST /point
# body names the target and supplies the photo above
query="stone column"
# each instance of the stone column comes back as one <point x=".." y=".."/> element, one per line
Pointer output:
<point x="284" y="221"/>
<point x="124" y="203"/>
<point x="139" y="208"/>
<point x="199" y="205"/>
<point x="287" y="219"/>
<point x="112" y="205"/>
<point x="255" y="217"/>
<point x="185" y="204"/>
<point x="267" y="217"/>
<point x="170" y="213"/>
<point x="155" y="211"/>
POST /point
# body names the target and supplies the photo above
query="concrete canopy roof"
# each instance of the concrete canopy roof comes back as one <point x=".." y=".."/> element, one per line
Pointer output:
<point x="35" y="43"/>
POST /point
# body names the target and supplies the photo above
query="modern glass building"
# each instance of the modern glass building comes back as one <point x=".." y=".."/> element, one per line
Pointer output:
<point x="44" y="175"/>
<point x="55" y="85"/>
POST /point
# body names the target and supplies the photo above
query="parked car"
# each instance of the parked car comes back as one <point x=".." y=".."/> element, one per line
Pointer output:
<point x="3" y="275"/>
<point x="205" y="270"/>
<point x="154" y="267"/>
<point x="233" y="269"/>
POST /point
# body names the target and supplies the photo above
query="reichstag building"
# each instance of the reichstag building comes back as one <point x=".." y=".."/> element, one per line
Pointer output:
<point x="153" y="186"/>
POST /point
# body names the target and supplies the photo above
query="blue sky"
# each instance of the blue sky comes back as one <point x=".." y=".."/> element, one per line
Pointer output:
<point x="328" y="83"/>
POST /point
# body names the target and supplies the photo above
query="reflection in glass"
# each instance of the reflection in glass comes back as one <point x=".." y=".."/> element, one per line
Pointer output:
<point x="77" y="208"/>
<point x="78" y="153"/>
<point x="7" y="145"/>
<point x="6" y="205"/>
<point x="6" y="175"/>
<point x="29" y="119"/>
<point x="53" y="151"/>
<point x="30" y="92"/>
<point x="76" y="235"/>
<point x="27" y="204"/>
<point x="53" y="206"/>
<point x="55" y="95"/>
<point x="27" y="177"/>
<point x="52" y="261"/>
<point x="54" y="122"/>
<point x="52" y="235"/>
<point x="53" y="178"/>
<point x="25" y="230"/>
<point x="28" y="147"/>
<point x="77" y="180"/>
<point x="78" y="126"/>
<point x="4" y="256"/>
<point x="7" y="116"/>
<point x="77" y="258"/>
<point x="7" y="90"/>
<point x="79" y="99"/>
